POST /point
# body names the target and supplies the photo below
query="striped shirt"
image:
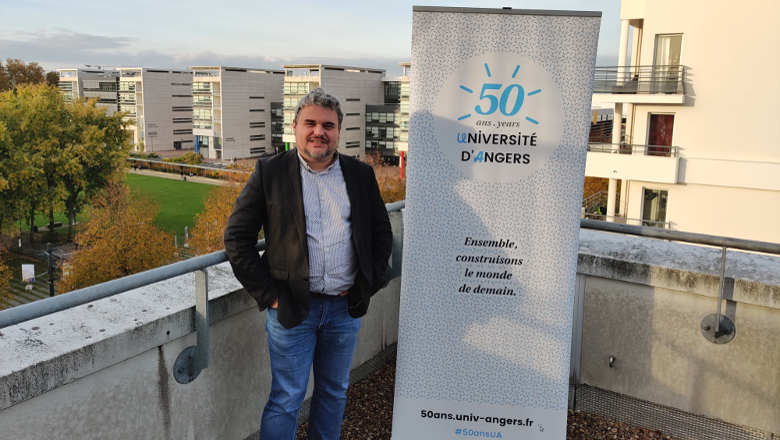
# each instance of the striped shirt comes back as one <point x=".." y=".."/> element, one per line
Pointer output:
<point x="332" y="259"/>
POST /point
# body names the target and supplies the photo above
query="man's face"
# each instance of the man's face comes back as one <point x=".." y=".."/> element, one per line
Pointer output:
<point x="316" y="133"/>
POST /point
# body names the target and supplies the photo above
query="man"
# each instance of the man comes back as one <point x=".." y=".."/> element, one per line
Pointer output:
<point x="328" y="240"/>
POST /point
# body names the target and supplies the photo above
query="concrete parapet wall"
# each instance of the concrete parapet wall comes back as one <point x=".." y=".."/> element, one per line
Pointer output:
<point x="643" y="302"/>
<point x="104" y="370"/>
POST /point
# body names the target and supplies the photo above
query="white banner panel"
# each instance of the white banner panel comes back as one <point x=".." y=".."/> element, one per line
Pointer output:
<point x="498" y="130"/>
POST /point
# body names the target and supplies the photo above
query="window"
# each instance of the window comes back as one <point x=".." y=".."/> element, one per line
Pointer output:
<point x="180" y="84"/>
<point x="352" y="144"/>
<point x="182" y="109"/>
<point x="353" y="99"/>
<point x="257" y="137"/>
<point x="201" y="87"/>
<point x="256" y="109"/>
<point x="353" y="128"/>
<point x="181" y="96"/>
<point x="258" y="150"/>
<point x="654" y="207"/>
<point x="352" y="114"/>
<point x="292" y="88"/>
<point x="257" y="97"/>
<point x="256" y="124"/>
<point x="182" y="120"/>
<point x="202" y="114"/>
<point x="184" y="131"/>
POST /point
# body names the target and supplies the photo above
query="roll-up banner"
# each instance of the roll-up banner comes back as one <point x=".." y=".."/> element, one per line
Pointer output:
<point x="499" y="120"/>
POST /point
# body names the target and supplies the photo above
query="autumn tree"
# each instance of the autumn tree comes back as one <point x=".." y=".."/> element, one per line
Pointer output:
<point x="119" y="238"/>
<point x="53" y="79"/>
<point x="5" y="277"/>
<point x="54" y="155"/>
<point x="16" y="73"/>
<point x="391" y="185"/>
<point x="209" y="230"/>
<point x="95" y="146"/>
<point x="33" y="118"/>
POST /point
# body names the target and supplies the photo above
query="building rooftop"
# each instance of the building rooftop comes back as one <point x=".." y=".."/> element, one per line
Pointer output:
<point x="332" y="67"/>
<point x="232" y="68"/>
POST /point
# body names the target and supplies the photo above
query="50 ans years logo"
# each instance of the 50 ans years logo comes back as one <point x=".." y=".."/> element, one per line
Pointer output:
<point x="498" y="117"/>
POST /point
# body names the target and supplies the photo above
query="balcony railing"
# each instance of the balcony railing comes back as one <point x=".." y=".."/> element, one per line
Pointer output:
<point x="628" y="221"/>
<point x="635" y="149"/>
<point x="202" y="104"/>
<point x="639" y="80"/>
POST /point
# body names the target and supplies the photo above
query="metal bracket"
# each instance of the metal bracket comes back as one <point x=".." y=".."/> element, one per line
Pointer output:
<point x="194" y="359"/>
<point x="726" y="330"/>
<point x="717" y="328"/>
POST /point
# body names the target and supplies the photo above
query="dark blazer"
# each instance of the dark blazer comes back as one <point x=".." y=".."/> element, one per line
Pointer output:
<point x="273" y="199"/>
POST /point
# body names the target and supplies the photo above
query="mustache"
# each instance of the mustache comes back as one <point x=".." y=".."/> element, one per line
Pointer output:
<point x="318" y="138"/>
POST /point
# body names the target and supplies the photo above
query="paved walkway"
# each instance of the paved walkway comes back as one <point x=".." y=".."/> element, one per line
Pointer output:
<point x="176" y="176"/>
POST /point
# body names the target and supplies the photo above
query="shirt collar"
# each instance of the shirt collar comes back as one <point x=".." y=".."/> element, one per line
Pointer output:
<point x="334" y="166"/>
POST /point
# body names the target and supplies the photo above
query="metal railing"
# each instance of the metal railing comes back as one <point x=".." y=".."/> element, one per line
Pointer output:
<point x="38" y="309"/>
<point x="593" y="200"/>
<point x="627" y="221"/>
<point x="639" y="80"/>
<point x="79" y="297"/>
<point x="637" y="149"/>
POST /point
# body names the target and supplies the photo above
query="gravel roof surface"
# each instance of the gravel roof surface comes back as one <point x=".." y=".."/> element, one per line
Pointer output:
<point x="369" y="415"/>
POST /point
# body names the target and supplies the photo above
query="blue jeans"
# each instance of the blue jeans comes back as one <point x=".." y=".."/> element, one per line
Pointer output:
<point x="325" y="339"/>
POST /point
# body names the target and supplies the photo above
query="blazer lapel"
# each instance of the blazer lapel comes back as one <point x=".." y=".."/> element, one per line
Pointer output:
<point x="351" y="181"/>
<point x="296" y="193"/>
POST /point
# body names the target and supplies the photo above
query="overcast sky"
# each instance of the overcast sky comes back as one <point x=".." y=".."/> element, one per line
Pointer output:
<point x="265" y="34"/>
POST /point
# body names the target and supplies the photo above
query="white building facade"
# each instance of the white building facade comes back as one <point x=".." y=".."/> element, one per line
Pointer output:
<point x="233" y="114"/>
<point x="698" y="152"/>
<point x="158" y="106"/>
<point x="355" y="87"/>
<point x="102" y="84"/>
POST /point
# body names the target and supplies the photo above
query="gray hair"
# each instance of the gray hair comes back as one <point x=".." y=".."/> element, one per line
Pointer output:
<point x="323" y="99"/>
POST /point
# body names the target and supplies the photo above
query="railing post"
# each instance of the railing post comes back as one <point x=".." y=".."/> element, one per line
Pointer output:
<point x="717" y="328"/>
<point x="194" y="359"/>
<point x="201" y="320"/>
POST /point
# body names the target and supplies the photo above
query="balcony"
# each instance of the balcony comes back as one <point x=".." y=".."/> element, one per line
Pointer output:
<point x="639" y="84"/>
<point x="99" y="363"/>
<point x="649" y="163"/>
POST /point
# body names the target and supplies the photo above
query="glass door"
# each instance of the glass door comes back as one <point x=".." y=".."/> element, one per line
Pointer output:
<point x="659" y="138"/>
<point x="654" y="207"/>
<point x="667" y="63"/>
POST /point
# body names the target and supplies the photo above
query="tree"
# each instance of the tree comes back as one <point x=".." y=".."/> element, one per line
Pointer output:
<point x="118" y="239"/>
<point x="5" y="277"/>
<point x="391" y="185"/>
<point x="95" y="148"/>
<point x="53" y="79"/>
<point x="17" y="73"/>
<point x="34" y="121"/>
<point x="54" y="155"/>
<point x="209" y="230"/>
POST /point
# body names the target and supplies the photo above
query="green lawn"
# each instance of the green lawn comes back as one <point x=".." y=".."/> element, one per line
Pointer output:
<point x="179" y="201"/>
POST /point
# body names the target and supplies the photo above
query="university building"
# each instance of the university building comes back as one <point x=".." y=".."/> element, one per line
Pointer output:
<point x="698" y="152"/>
<point x="387" y="125"/>
<point x="158" y="103"/>
<point x="236" y="111"/>
<point x="91" y="83"/>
